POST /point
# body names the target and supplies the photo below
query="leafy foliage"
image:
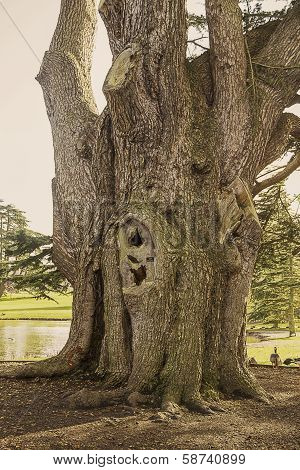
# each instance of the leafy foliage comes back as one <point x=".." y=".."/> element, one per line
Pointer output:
<point x="254" y="15"/>
<point x="26" y="257"/>
<point x="276" y="282"/>
<point x="11" y="220"/>
<point x="32" y="269"/>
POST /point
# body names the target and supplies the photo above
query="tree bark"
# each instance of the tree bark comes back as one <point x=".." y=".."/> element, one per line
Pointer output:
<point x="154" y="222"/>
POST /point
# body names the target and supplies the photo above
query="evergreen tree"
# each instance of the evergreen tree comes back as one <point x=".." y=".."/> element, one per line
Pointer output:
<point x="30" y="267"/>
<point x="26" y="257"/>
<point x="276" y="282"/>
<point x="11" y="221"/>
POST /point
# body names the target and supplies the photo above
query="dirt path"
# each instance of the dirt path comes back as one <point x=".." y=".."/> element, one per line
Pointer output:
<point x="32" y="417"/>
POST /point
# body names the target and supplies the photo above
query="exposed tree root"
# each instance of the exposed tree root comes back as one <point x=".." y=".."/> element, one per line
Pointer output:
<point x="86" y="398"/>
<point x="242" y="383"/>
<point x="197" y="403"/>
<point x="171" y="408"/>
<point x="136" y="399"/>
<point x="93" y="398"/>
<point x="214" y="406"/>
<point x="55" y="366"/>
<point x="98" y="399"/>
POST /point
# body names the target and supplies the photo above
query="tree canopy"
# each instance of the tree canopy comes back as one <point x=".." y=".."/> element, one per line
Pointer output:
<point x="26" y="257"/>
<point x="11" y="221"/>
<point x="276" y="281"/>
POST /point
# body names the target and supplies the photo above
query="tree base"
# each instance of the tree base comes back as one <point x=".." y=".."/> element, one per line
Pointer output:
<point x="241" y="384"/>
<point x="86" y="399"/>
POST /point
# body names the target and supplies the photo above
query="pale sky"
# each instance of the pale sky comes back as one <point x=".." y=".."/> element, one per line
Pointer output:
<point x="25" y="138"/>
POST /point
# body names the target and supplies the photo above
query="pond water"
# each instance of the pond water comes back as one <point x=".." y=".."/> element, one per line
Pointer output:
<point x="22" y="340"/>
<point x="31" y="339"/>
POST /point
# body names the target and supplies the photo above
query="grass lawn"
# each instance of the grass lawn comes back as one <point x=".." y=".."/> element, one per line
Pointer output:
<point x="286" y="347"/>
<point x="23" y="307"/>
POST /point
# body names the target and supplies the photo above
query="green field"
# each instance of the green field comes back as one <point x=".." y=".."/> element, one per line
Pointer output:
<point x="261" y="350"/>
<point x="286" y="347"/>
<point x="24" y="307"/>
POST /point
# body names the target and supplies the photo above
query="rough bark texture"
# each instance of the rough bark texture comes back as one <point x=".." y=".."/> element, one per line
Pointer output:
<point x="154" y="222"/>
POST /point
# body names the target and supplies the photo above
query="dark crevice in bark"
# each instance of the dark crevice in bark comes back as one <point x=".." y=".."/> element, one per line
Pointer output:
<point x="136" y="239"/>
<point x="140" y="274"/>
<point x="90" y="362"/>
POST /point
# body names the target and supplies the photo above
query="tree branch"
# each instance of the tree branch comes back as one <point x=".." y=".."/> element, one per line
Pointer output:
<point x="65" y="73"/>
<point x="229" y="68"/>
<point x="283" y="47"/>
<point x="196" y="43"/>
<point x="227" y="48"/>
<point x="271" y="171"/>
<point x="294" y="100"/>
<point x="293" y="164"/>
<point x="200" y="66"/>
<point x="277" y="87"/>
<point x="288" y="125"/>
<point x="81" y="137"/>
<point x="112" y="14"/>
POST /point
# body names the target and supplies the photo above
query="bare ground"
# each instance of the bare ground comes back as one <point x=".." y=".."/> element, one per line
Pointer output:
<point x="32" y="416"/>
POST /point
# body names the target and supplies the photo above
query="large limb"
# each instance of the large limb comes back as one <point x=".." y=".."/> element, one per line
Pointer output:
<point x="277" y="79"/>
<point x="239" y="236"/>
<point x="288" y="126"/>
<point x="81" y="143"/>
<point x="293" y="164"/>
<point x="295" y="100"/>
<point x="229" y="69"/>
<point x="66" y="82"/>
<point x="145" y="93"/>
<point x="278" y="63"/>
<point x="201" y="70"/>
<point x="73" y="44"/>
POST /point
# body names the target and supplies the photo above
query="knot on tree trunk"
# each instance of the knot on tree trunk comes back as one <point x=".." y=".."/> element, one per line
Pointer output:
<point x="236" y="210"/>
<point x="121" y="69"/>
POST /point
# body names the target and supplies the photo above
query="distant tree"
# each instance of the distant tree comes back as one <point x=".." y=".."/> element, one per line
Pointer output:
<point x="26" y="257"/>
<point x="11" y="221"/>
<point x="30" y="267"/>
<point x="276" y="281"/>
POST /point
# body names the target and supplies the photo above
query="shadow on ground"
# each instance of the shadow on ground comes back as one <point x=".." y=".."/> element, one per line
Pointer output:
<point x="32" y="417"/>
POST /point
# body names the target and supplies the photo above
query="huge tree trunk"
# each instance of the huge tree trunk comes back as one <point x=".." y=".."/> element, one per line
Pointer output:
<point x="154" y="223"/>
